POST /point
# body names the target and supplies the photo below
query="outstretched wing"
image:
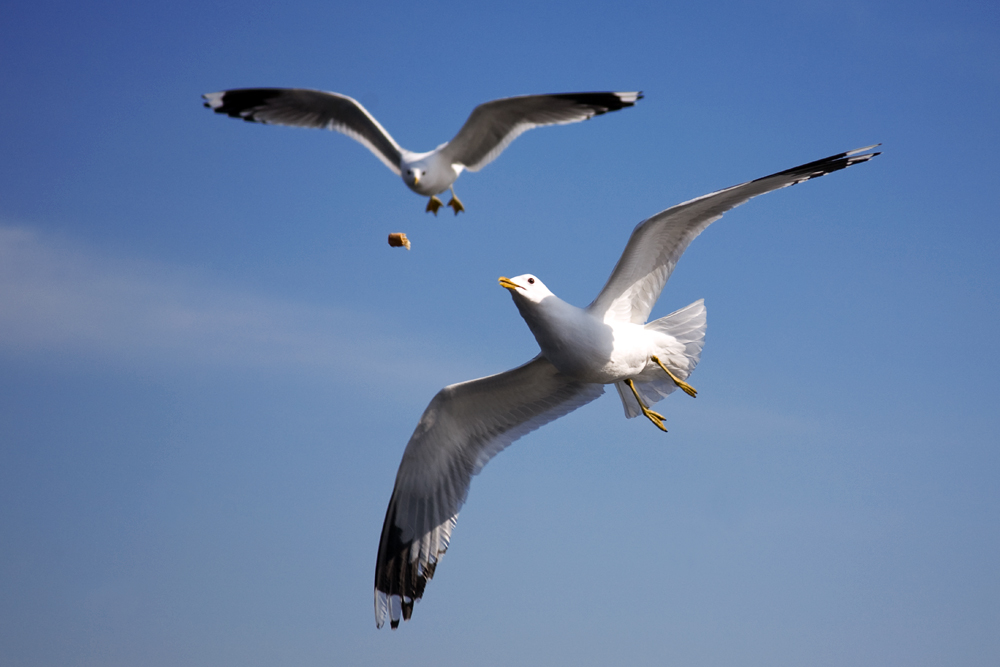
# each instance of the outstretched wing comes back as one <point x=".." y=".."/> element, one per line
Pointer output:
<point x="493" y="125"/>
<point x="301" y="107"/>
<point x="464" y="426"/>
<point x="658" y="242"/>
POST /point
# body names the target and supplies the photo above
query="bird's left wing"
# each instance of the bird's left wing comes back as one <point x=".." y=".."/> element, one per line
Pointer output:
<point x="302" y="107"/>
<point x="493" y="125"/>
<point x="464" y="426"/>
<point x="658" y="242"/>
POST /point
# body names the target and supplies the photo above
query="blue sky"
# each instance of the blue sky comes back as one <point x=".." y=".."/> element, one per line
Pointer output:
<point x="210" y="360"/>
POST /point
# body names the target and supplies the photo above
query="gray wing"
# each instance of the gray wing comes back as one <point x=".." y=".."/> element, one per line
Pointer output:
<point x="493" y="125"/>
<point x="464" y="426"/>
<point x="658" y="242"/>
<point x="301" y="107"/>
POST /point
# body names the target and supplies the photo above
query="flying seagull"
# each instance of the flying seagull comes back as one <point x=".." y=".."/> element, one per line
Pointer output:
<point x="489" y="129"/>
<point x="582" y="350"/>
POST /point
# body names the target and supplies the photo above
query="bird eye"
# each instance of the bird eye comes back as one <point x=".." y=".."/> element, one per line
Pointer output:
<point x="531" y="281"/>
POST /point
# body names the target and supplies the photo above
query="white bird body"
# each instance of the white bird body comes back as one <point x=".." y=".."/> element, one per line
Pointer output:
<point x="582" y="345"/>
<point x="486" y="133"/>
<point x="430" y="173"/>
<point x="581" y="351"/>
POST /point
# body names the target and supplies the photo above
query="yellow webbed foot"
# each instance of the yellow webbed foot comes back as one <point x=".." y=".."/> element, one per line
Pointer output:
<point x="433" y="205"/>
<point x="654" y="417"/>
<point x="688" y="389"/>
<point x="455" y="203"/>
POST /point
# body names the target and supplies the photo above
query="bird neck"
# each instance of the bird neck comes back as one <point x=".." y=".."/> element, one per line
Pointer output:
<point x="549" y="318"/>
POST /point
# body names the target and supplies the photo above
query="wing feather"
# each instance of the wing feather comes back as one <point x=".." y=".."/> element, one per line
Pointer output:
<point x="464" y="426"/>
<point x="302" y="107"/>
<point x="493" y="125"/>
<point x="659" y="241"/>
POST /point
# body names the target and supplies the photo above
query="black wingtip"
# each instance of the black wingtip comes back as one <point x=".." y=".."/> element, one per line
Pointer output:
<point x="827" y="165"/>
<point x="395" y="575"/>
<point x="240" y="102"/>
<point x="602" y="103"/>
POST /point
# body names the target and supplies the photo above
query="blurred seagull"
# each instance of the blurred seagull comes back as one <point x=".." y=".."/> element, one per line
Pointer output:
<point x="608" y="342"/>
<point x="489" y="129"/>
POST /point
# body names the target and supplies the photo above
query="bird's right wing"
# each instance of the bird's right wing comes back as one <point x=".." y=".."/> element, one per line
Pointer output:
<point x="464" y="426"/>
<point x="302" y="107"/>
<point x="658" y="242"/>
<point x="493" y="125"/>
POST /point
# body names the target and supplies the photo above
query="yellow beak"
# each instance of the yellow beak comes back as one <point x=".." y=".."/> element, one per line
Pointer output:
<point x="416" y="180"/>
<point x="509" y="284"/>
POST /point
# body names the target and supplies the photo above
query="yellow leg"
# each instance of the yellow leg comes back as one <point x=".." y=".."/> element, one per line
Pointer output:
<point x="455" y="203"/>
<point x="654" y="417"/>
<point x="433" y="205"/>
<point x="688" y="389"/>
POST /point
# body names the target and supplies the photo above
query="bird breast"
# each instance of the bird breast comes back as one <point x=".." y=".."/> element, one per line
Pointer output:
<point x="585" y="347"/>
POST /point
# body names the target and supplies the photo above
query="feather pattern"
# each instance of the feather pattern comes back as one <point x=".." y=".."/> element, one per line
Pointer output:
<point x="492" y="126"/>
<point x="464" y="426"/>
<point x="659" y="241"/>
<point x="302" y="107"/>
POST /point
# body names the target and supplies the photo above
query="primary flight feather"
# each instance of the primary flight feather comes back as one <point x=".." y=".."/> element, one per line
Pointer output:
<point x="582" y="350"/>
<point x="488" y="130"/>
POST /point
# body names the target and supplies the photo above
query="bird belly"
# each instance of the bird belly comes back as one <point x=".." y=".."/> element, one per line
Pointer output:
<point x="600" y="355"/>
<point x="428" y="187"/>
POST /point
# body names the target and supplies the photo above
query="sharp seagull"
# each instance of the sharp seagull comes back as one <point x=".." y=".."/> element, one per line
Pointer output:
<point x="582" y="349"/>
<point x="486" y="133"/>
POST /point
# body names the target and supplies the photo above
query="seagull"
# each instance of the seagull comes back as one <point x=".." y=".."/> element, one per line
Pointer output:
<point x="582" y="350"/>
<point x="486" y="133"/>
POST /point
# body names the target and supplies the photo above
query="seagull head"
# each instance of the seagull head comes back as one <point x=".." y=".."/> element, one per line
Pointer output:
<point x="526" y="287"/>
<point x="412" y="174"/>
<point x="545" y="314"/>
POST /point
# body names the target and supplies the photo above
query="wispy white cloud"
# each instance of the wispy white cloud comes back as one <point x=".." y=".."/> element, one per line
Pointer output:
<point x="61" y="297"/>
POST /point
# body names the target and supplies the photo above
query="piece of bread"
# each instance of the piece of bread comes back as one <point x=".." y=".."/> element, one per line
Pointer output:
<point x="399" y="240"/>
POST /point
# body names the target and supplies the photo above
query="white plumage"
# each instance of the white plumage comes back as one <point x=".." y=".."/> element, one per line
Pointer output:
<point x="582" y="349"/>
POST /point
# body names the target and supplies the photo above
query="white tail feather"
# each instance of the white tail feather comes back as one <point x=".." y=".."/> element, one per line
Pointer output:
<point x="687" y="327"/>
